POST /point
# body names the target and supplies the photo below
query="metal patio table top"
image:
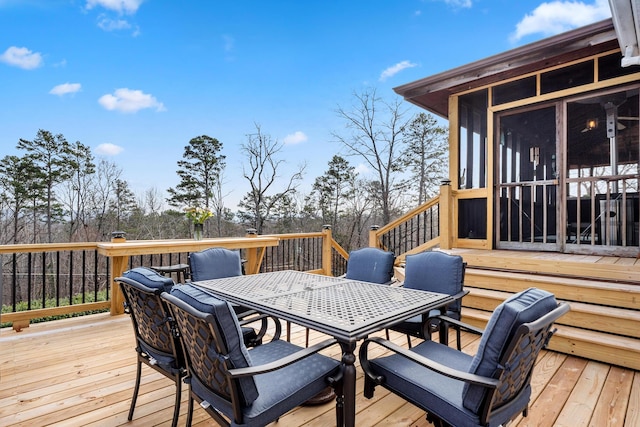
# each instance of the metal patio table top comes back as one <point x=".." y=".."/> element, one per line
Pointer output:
<point x="348" y="310"/>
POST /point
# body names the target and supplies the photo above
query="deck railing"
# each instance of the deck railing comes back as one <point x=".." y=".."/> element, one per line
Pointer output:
<point x="45" y="280"/>
<point x="416" y="231"/>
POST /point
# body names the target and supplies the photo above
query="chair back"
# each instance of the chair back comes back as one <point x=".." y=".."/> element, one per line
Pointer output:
<point x="213" y="344"/>
<point x="141" y="288"/>
<point x="436" y="271"/>
<point x="370" y="265"/>
<point x="214" y="263"/>
<point x="518" y="329"/>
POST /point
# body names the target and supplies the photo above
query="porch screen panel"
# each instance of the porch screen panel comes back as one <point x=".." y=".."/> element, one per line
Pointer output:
<point x="527" y="178"/>
<point x="602" y="171"/>
<point x="472" y="116"/>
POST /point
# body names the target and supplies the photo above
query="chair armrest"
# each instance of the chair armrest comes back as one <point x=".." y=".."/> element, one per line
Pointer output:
<point x="423" y="361"/>
<point x="281" y="363"/>
<point x="467" y="327"/>
<point x="255" y="317"/>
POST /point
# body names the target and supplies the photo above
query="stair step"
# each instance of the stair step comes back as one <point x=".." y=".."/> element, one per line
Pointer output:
<point x="612" y="320"/>
<point x="622" y="295"/>
<point x="595" y="345"/>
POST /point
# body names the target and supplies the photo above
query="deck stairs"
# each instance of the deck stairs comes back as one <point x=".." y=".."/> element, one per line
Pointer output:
<point x="604" y="294"/>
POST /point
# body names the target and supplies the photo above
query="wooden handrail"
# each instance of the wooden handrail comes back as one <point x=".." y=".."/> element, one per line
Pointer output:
<point x="412" y="213"/>
<point x="47" y="247"/>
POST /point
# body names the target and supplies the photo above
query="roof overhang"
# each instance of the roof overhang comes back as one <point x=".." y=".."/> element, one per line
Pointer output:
<point x="432" y="93"/>
<point x="624" y="14"/>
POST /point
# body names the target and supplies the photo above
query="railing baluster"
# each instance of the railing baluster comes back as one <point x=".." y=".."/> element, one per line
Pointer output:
<point x="29" y="281"/>
<point x="57" y="280"/>
<point x="43" y="278"/>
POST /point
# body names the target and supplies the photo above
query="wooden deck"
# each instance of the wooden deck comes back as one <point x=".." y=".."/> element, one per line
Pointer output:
<point x="80" y="372"/>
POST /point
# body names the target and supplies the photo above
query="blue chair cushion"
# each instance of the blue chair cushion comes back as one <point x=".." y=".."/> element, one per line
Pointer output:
<point x="370" y="265"/>
<point x="428" y="389"/>
<point x="228" y="326"/>
<point x="523" y="307"/>
<point x="214" y="263"/>
<point x="150" y="278"/>
<point x="436" y="272"/>
<point x="279" y="390"/>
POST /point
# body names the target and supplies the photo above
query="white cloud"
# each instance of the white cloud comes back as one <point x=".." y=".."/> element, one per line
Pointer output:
<point x="295" y="138"/>
<point x="130" y="101"/>
<point x="108" y="149"/>
<point x="361" y="169"/>
<point x="21" y="57"/>
<point x="559" y="16"/>
<point x="459" y="3"/>
<point x="120" y="6"/>
<point x="65" y="88"/>
<point x="109" y="24"/>
<point x="395" y="69"/>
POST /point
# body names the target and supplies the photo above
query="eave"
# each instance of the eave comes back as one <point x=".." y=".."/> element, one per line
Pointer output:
<point x="432" y="93"/>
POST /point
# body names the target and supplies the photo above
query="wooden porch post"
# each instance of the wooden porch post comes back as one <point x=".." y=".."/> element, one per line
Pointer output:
<point x="446" y="212"/>
<point x="373" y="236"/>
<point x="118" y="266"/>
<point x="327" y="238"/>
<point x="252" y="265"/>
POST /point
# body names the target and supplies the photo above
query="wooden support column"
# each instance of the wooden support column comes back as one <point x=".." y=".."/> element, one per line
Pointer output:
<point x="446" y="215"/>
<point x="327" y="262"/>
<point x="254" y="255"/>
<point x="118" y="266"/>
<point x="373" y="236"/>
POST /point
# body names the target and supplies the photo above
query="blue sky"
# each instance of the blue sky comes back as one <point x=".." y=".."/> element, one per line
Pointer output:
<point x="135" y="80"/>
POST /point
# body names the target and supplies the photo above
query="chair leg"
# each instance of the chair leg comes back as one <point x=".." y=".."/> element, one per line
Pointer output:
<point x="189" y="409"/>
<point x="409" y="340"/>
<point x="386" y="331"/>
<point x="176" y="404"/>
<point x="459" y="344"/>
<point x="135" y="389"/>
<point x="306" y="340"/>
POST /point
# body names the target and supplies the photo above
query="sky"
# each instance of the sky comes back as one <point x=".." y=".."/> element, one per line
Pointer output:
<point x="135" y="80"/>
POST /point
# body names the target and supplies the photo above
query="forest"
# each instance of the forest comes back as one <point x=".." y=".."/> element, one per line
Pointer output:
<point x="58" y="191"/>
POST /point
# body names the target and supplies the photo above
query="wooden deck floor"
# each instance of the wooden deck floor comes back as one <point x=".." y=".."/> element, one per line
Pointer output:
<point x="80" y="372"/>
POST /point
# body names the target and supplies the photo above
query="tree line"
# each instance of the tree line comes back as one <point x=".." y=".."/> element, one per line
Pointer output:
<point x="57" y="191"/>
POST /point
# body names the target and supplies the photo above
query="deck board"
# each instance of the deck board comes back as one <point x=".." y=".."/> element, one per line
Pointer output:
<point x="80" y="372"/>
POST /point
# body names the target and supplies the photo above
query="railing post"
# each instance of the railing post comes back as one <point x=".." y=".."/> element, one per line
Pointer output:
<point x="373" y="236"/>
<point x="252" y="266"/>
<point x="118" y="266"/>
<point x="327" y="259"/>
<point x="445" y="214"/>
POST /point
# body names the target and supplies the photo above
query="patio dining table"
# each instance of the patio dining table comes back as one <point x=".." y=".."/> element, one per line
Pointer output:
<point x="348" y="310"/>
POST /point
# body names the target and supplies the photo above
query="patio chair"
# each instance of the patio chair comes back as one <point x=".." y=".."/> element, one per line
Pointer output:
<point x="217" y="263"/>
<point x="368" y="265"/>
<point x="239" y="386"/>
<point x="434" y="271"/>
<point x="157" y="344"/>
<point x="214" y="263"/>
<point x="456" y="389"/>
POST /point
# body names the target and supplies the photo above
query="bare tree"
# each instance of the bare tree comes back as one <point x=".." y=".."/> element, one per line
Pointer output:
<point x="107" y="173"/>
<point x="262" y="175"/>
<point x="75" y="190"/>
<point x="375" y="127"/>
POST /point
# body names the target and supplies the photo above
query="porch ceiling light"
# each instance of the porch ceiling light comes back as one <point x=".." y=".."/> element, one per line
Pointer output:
<point x="591" y="125"/>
